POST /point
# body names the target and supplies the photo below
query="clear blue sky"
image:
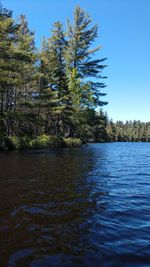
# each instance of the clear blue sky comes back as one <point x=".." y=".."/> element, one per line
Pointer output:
<point x="124" y="32"/>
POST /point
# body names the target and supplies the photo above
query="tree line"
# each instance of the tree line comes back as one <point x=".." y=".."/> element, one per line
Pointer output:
<point x="55" y="95"/>
<point x="129" y="131"/>
<point x="54" y="91"/>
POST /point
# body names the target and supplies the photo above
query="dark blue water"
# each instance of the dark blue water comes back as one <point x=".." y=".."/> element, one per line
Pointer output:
<point x="86" y="206"/>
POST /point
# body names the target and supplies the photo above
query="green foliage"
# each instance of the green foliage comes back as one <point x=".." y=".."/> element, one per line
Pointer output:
<point x="130" y="131"/>
<point x="15" y="143"/>
<point x="40" y="142"/>
<point x="72" y="142"/>
<point x="12" y="143"/>
<point x="44" y="141"/>
<point x="56" y="141"/>
<point x="49" y="95"/>
<point x="79" y="56"/>
<point x="25" y="142"/>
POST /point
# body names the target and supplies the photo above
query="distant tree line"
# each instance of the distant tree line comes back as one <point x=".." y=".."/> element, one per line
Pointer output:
<point x="55" y="91"/>
<point x="129" y="131"/>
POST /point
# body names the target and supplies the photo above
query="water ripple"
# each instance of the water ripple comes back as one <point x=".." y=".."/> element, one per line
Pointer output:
<point x="76" y="207"/>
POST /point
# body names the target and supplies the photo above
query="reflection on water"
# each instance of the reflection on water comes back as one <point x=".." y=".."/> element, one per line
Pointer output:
<point x="75" y="207"/>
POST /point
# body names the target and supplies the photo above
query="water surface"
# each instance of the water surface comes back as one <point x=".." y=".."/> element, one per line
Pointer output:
<point x="86" y="206"/>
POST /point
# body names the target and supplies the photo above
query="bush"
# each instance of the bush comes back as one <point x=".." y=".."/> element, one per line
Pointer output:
<point x="45" y="141"/>
<point x="55" y="141"/>
<point x="72" y="142"/>
<point x="12" y="143"/>
<point x="25" y="142"/>
<point x="40" y="142"/>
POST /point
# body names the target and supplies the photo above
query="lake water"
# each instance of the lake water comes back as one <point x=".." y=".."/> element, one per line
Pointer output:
<point x="86" y="206"/>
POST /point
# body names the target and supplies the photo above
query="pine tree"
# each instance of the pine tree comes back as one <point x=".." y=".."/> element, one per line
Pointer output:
<point x="55" y="91"/>
<point x="55" y="69"/>
<point x="79" y="55"/>
<point x="25" y="54"/>
<point x="9" y="72"/>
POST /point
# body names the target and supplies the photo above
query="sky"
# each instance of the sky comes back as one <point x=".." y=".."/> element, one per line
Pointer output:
<point x="124" y="33"/>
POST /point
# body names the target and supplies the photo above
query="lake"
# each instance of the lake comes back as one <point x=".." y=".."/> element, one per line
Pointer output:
<point x="87" y="206"/>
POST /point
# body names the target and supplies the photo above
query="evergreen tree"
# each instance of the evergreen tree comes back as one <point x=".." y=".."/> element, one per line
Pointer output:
<point x="129" y="131"/>
<point x="55" y="91"/>
<point x="79" y="55"/>
<point x="56" y="79"/>
<point x="9" y="72"/>
<point x="25" y="50"/>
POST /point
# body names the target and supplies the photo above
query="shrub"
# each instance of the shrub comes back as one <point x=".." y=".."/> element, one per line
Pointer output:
<point x="25" y="142"/>
<point x="72" y="142"/>
<point x="55" y="141"/>
<point x="45" y="141"/>
<point x="12" y="143"/>
<point x="40" y="142"/>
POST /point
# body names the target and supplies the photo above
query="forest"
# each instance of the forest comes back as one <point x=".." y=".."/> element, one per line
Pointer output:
<point x="129" y="131"/>
<point x="53" y="96"/>
<point x="50" y="95"/>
